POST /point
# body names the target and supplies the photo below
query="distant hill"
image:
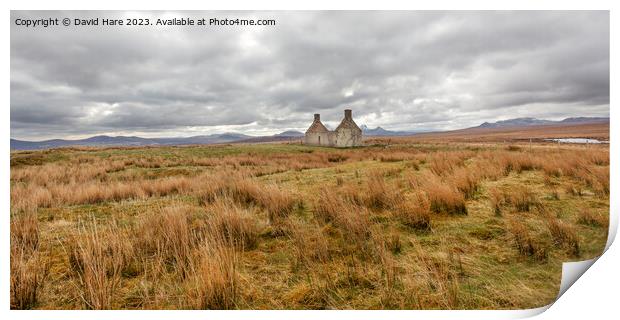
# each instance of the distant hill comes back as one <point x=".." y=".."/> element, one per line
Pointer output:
<point x="524" y="122"/>
<point x="378" y="131"/>
<point x="127" y="141"/>
<point x="585" y="120"/>
<point x="229" y="137"/>
<point x="290" y="133"/>
<point x="204" y="139"/>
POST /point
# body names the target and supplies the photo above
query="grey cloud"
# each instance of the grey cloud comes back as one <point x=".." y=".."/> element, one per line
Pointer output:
<point x="400" y="70"/>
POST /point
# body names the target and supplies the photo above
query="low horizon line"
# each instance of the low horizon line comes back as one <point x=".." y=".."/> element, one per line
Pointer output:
<point x="258" y="136"/>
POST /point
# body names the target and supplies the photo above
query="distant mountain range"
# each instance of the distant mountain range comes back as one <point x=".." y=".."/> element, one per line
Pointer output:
<point x="289" y="135"/>
<point x="524" y="122"/>
<point x="127" y="141"/>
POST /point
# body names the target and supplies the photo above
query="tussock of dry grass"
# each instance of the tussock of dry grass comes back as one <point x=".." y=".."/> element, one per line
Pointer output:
<point x="379" y="195"/>
<point x="233" y="223"/>
<point x="337" y="157"/>
<point x="27" y="275"/>
<point x="353" y="194"/>
<point x="598" y="179"/>
<point x="444" y="198"/>
<point x="167" y="235"/>
<point x="522" y="198"/>
<point x="394" y="243"/>
<point x="97" y="256"/>
<point x="439" y="272"/>
<point x="390" y="269"/>
<point x="415" y="213"/>
<point x="238" y="188"/>
<point x="517" y="162"/>
<point x="497" y="199"/>
<point x="214" y="283"/>
<point x="564" y="235"/>
<point x="590" y="218"/>
<point x="575" y="190"/>
<point x="25" y="231"/>
<point x="310" y="244"/>
<point x="399" y="156"/>
<point x="352" y="219"/>
<point x="597" y="157"/>
<point x="443" y="163"/>
<point x="466" y="181"/>
<point x="557" y="167"/>
<point x="278" y="203"/>
<point x="525" y="243"/>
<point x="28" y="269"/>
<point x="25" y="198"/>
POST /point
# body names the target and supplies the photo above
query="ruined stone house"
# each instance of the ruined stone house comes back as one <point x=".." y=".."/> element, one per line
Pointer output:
<point x="347" y="134"/>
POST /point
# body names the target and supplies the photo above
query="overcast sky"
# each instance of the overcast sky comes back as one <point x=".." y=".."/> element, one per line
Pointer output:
<point x="397" y="70"/>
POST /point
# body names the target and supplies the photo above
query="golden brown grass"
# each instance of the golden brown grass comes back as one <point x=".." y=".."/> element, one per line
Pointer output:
<point x="278" y="203"/>
<point x="439" y="272"/>
<point x="525" y="242"/>
<point x="522" y="198"/>
<point x="214" y="283"/>
<point x="415" y="213"/>
<point x="233" y="223"/>
<point x="97" y="256"/>
<point x="379" y="195"/>
<point x="309" y="242"/>
<point x="444" y="197"/>
<point x="351" y="219"/>
<point x="274" y="226"/>
<point x="588" y="217"/>
<point x="25" y="231"/>
<point x="166" y="234"/>
<point x="352" y="193"/>
<point x="466" y="181"/>
<point x="390" y="273"/>
<point x="598" y="179"/>
<point x="54" y="194"/>
<point x="564" y="235"/>
<point x="443" y="163"/>
<point x="498" y="199"/>
<point x="28" y="269"/>
<point x="27" y="276"/>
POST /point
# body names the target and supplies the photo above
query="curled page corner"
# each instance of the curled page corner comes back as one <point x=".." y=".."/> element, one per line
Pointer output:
<point x="613" y="229"/>
<point x="528" y="313"/>
<point x="571" y="271"/>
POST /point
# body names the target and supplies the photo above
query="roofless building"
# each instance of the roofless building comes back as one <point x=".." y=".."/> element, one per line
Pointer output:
<point x="347" y="134"/>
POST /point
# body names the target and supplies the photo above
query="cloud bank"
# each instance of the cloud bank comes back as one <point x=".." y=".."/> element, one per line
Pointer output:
<point x="398" y="70"/>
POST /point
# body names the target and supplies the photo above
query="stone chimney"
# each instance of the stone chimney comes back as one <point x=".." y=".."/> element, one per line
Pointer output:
<point x="317" y="117"/>
<point x="347" y="114"/>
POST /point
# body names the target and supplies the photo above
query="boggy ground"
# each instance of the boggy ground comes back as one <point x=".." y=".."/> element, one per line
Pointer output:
<point x="272" y="226"/>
